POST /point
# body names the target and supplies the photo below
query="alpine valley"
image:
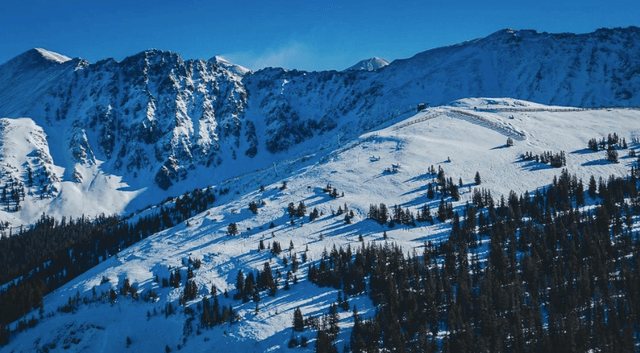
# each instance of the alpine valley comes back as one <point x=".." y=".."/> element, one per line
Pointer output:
<point x="158" y="204"/>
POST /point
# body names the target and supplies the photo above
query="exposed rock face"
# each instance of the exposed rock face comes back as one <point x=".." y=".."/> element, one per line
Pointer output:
<point x="156" y="115"/>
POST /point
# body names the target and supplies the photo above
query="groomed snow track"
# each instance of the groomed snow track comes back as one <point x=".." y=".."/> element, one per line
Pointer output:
<point x="472" y="118"/>
<point x="476" y="119"/>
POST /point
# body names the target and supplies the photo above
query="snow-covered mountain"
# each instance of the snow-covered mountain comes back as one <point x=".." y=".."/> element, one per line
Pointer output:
<point x="155" y="125"/>
<point x="372" y="64"/>
<point x="387" y="165"/>
<point x="237" y="69"/>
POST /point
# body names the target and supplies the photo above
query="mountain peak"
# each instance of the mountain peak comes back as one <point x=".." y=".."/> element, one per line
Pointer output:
<point x="372" y="64"/>
<point x="36" y="57"/>
<point x="52" y="56"/>
<point x="237" y="69"/>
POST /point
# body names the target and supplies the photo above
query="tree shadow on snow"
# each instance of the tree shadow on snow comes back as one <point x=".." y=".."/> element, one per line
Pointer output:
<point x="420" y="201"/>
<point x="596" y="162"/>
<point x="583" y="151"/>
<point x="422" y="189"/>
<point x="422" y="177"/>
<point x="363" y="227"/>
<point x="533" y="166"/>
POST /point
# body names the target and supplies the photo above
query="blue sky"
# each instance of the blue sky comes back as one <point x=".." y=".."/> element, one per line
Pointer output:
<point x="306" y="35"/>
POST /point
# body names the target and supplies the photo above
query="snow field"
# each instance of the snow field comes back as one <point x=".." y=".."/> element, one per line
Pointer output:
<point x="359" y="169"/>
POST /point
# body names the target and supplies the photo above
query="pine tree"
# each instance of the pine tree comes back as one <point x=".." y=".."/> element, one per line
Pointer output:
<point x="294" y="263"/>
<point x="430" y="193"/>
<point x="177" y="278"/>
<point x="612" y="154"/>
<point x="298" y="320"/>
<point x="442" y="211"/>
<point x="592" y="187"/>
<point x="253" y="207"/>
<point x="454" y="192"/>
<point x="267" y="276"/>
<point x="314" y="214"/>
<point x="249" y="288"/>
<point x="291" y="209"/>
<point x="232" y="229"/>
<point x="477" y="179"/>
<point x="239" y="285"/>
<point x="301" y="210"/>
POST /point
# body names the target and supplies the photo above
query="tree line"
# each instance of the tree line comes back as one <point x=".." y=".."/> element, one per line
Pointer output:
<point x="554" y="278"/>
<point x="50" y="253"/>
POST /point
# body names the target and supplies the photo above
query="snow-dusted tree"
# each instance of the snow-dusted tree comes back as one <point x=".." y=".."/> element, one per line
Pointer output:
<point x="612" y="154"/>
<point x="253" y="207"/>
<point x="232" y="229"/>
<point x="509" y="142"/>
<point x="314" y="214"/>
<point x="301" y="210"/>
<point x="291" y="209"/>
<point x="190" y="290"/>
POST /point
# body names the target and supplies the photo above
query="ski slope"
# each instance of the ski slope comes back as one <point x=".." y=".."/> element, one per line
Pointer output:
<point x="463" y="138"/>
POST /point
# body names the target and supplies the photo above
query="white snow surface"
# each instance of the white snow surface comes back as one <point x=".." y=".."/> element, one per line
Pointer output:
<point x="372" y="64"/>
<point x="472" y="139"/>
<point x="49" y="55"/>
<point x="235" y="68"/>
<point x="84" y="190"/>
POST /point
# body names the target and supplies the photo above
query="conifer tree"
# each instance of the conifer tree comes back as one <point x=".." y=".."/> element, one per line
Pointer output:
<point x="232" y="229"/>
<point x="239" y="285"/>
<point x="442" y="211"/>
<point x="593" y="188"/>
<point x="298" y="320"/>
<point x="477" y="178"/>
<point x="430" y="193"/>
<point x="301" y="210"/>
<point x="612" y="154"/>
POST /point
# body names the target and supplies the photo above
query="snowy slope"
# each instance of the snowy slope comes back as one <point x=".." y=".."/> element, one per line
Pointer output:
<point x="471" y="133"/>
<point x="27" y="167"/>
<point x="52" y="56"/>
<point x="236" y="69"/>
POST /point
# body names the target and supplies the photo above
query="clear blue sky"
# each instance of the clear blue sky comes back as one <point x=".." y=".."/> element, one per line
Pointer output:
<point x="306" y="35"/>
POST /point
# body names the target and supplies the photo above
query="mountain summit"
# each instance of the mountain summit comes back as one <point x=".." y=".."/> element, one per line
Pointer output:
<point x="372" y="64"/>
<point x="49" y="55"/>
<point x="37" y="56"/>
<point x="237" y="69"/>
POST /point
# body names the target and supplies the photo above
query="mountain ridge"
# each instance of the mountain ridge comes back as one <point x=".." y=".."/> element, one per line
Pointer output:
<point x="192" y="123"/>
